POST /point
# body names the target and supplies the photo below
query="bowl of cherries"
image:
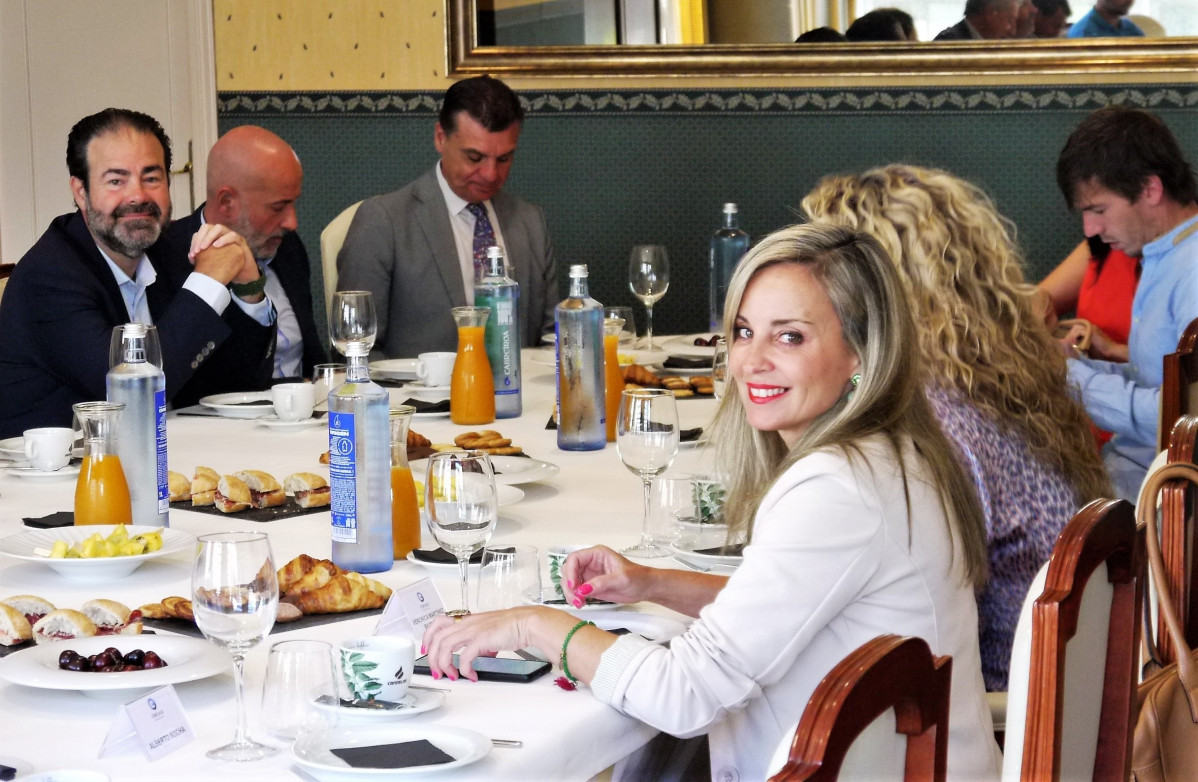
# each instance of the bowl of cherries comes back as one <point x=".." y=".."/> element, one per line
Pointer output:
<point x="110" y="660"/>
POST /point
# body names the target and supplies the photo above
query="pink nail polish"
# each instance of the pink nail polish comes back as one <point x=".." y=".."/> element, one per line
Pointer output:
<point x="585" y="590"/>
<point x="453" y="677"/>
<point x="422" y="649"/>
<point x="569" y="584"/>
<point x="578" y="602"/>
<point x="436" y="675"/>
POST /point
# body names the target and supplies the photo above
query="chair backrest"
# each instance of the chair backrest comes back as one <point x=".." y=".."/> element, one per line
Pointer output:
<point x="1179" y="385"/>
<point x="331" y="239"/>
<point x="886" y="673"/>
<point x="1084" y="629"/>
<point x="5" y="273"/>
<point x="1177" y="507"/>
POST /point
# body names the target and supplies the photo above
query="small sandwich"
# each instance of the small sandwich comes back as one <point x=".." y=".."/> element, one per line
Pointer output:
<point x="203" y="486"/>
<point x="232" y="495"/>
<point x="112" y="618"/>
<point x="14" y="627"/>
<point x="32" y="606"/>
<point x="63" y="624"/>
<point x="309" y="489"/>
<point x="265" y="491"/>
<point x="179" y="488"/>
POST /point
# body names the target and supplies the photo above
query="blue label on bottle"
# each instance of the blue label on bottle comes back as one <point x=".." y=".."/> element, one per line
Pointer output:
<point x="343" y="477"/>
<point x="164" y="495"/>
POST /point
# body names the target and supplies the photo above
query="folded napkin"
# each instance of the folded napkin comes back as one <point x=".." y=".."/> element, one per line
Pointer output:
<point x="63" y="518"/>
<point x="428" y="407"/>
<point x="690" y="435"/>
<point x="735" y="550"/>
<point x="405" y="754"/>
<point x="680" y="362"/>
<point x="440" y="556"/>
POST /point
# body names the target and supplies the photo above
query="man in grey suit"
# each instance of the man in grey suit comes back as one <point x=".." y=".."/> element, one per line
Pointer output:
<point x="987" y="19"/>
<point x="416" y="249"/>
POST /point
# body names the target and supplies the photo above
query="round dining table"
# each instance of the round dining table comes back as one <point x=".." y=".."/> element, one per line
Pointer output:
<point x="592" y="498"/>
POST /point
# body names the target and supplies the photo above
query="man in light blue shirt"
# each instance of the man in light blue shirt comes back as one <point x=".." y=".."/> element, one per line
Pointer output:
<point x="1123" y="169"/>
<point x="1107" y="19"/>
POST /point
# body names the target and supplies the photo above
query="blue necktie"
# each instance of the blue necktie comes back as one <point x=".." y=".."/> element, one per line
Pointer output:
<point x="484" y="237"/>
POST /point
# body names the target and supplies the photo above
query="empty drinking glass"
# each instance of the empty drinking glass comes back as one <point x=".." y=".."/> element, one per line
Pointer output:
<point x="509" y="576"/>
<point x="298" y="673"/>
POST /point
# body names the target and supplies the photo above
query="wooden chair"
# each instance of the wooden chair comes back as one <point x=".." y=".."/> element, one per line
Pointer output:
<point x="1177" y="505"/>
<point x="1179" y="385"/>
<point x="331" y="239"/>
<point x="1084" y="629"/>
<point x="887" y="672"/>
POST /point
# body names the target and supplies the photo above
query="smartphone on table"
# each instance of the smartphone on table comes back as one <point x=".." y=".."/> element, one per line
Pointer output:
<point x="498" y="669"/>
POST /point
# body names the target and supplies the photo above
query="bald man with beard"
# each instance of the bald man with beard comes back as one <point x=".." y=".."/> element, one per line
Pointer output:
<point x="254" y="180"/>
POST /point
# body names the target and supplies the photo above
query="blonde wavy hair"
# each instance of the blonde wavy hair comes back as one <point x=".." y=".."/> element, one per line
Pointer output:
<point x="982" y="336"/>
<point x="877" y="324"/>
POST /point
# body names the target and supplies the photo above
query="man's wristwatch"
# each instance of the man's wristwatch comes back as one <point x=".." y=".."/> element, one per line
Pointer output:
<point x="243" y="289"/>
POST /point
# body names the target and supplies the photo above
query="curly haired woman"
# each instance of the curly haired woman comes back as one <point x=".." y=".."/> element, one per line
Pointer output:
<point x="996" y="380"/>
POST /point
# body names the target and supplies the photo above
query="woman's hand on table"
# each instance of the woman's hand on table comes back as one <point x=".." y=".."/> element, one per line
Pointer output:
<point x="602" y="574"/>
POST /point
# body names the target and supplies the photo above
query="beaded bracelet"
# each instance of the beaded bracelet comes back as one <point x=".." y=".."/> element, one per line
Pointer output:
<point x="565" y="667"/>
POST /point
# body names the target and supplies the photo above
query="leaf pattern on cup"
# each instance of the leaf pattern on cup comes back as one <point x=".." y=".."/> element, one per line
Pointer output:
<point x="356" y="670"/>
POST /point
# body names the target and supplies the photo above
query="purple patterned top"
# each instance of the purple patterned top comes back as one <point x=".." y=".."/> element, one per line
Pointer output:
<point x="1026" y="506"/>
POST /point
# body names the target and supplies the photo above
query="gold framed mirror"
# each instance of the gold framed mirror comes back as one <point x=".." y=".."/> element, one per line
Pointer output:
<point x="1097" y="56"/>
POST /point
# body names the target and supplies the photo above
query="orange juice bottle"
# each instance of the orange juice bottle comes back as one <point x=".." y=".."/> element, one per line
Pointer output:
<point x="613" y="377"/>
<point x="101" y="493"/>
<point x="405" y="512"/>
<point x="472" y="388"/>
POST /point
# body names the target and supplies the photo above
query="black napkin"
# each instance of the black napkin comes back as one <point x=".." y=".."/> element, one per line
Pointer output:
<point x="428" y="407"/>
<point x="403" y="755"/>
<point x="735" y="550"/>
<point x="63" y="518"/>
<point x="440" y="556"/>
<point x="690" y="435"/>
<point x="679" y="362"/>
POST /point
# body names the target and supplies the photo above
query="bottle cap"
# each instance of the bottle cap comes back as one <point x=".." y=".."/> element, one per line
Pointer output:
<point x="730" y="209"/>
<point x="578" y="270"/>
<point x="495" y="261"/>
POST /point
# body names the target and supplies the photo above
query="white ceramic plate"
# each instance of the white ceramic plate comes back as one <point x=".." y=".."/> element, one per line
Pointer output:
<point x="443" y="414"/>
<point x="313" y="751"/>
<point x="645" y="358"/>
<point x="546" y="358"/>
<point x="274" y="423"/>
<point x="21" y="546"/>
<point x="253" y="404"/>
<point x="187" y="659"/>
<point x="713" y="562"/>
<point x="394" y="368"/>
<point x="415" y="702"/>
<point x="13" y="447"/>
<point x="510" y="470"/>
<point x="685" y="346"/>
<point x="507" y="495"/>
<point x="32" y="474"/>
<point x="426" y="393"/>
<point x="549" y="338"/>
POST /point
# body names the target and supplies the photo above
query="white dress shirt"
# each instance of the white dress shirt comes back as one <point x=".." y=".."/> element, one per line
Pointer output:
<point x="462" y="221"/>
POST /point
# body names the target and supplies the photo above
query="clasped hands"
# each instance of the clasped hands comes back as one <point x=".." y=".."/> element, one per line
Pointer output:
<point x="222" y="254"/>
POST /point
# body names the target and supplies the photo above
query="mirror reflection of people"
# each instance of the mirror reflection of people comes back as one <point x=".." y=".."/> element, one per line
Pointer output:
<point x="108" y="263"/>
<point x="985" y="19"/>
<point x="1107" y="19"/>
<point x="996" y="379"/>
<point x="1051" y="17"/>
<point x="883" y="24"/>
<point x="859" y="518"/>
<point x="1097" y="283"/>
<point x="821" y="35"/>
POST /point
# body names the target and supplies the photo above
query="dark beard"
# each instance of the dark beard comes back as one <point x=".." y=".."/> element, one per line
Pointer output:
<point x="130" y="239"/>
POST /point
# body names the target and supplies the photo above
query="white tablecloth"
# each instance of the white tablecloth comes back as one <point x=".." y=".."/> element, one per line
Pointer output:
<point x="566" y="735"/>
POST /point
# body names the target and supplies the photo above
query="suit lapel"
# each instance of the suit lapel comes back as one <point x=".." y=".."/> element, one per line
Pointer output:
<point x="433" y="217"/>
<point x="85" y="245"/>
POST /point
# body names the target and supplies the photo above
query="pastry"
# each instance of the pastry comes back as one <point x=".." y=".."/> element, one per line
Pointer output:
<point x="265" y="491"/>
<point x="32" y="606"/>
<point x="63" y="624"/>
<point x="112" y="618"/>
<point x="342" y="593"/>
<point x="169" y="608"/>
<point x="179" y="488"/>
<point x="203" y="486"/>
<point x="309" y="489"/>
<point x="635" y="373"/>
<point x="14" y="627"/>
<point x="489" y="441"/>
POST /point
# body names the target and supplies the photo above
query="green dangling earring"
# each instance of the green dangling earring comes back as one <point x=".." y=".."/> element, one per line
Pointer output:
<point x="856" y="381"/>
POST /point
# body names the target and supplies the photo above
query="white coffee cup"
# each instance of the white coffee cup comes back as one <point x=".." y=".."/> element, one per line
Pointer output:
<point x="435" y="369"/>
<point x="377" y="667"/>
<point x="49" y="448"/>
<point x="293" y="401"/>
<point x="556" y="557"/>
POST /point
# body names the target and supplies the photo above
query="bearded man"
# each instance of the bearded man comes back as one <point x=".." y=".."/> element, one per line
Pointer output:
<point x="107" y="264"/>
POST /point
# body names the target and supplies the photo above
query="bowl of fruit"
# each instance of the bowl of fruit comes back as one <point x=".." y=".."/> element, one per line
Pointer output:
<point x="95" y="553"/>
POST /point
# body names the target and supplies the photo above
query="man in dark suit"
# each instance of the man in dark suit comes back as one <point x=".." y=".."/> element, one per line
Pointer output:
<point x="105" y="265"/>
<point x="254" y="179"/>
<point x="986" y="19"/>
<point x="417" y="249"/>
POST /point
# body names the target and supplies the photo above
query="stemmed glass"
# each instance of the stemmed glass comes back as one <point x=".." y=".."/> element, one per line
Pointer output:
<point x="352" y="322"/>
<point x="719" y="368"/>
<point x="648" y="277"/>
<point x="462" y="507"/>
<point x="647" y="441"/>
<point x="235" y="596"/>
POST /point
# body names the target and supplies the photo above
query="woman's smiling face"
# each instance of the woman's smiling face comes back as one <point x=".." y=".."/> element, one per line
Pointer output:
<point x="788" y="354"/>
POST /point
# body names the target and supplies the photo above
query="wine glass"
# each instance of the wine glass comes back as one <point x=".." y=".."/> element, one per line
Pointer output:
<point x="647" y="440"/>
<point x="719" y="368"/>
<point x="352" y="322"/>
<point x="462" y="507"/>
<point x="235" y="596"/>
<point x="648" y="277"/>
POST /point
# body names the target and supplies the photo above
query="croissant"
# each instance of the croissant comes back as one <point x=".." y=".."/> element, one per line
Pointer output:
<point x="416" y="440"/>
<point x="339" y="595"/>
<point x="635" y="373"/>
<point x="294" y="570"/>
<point x="321" y="573"/>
